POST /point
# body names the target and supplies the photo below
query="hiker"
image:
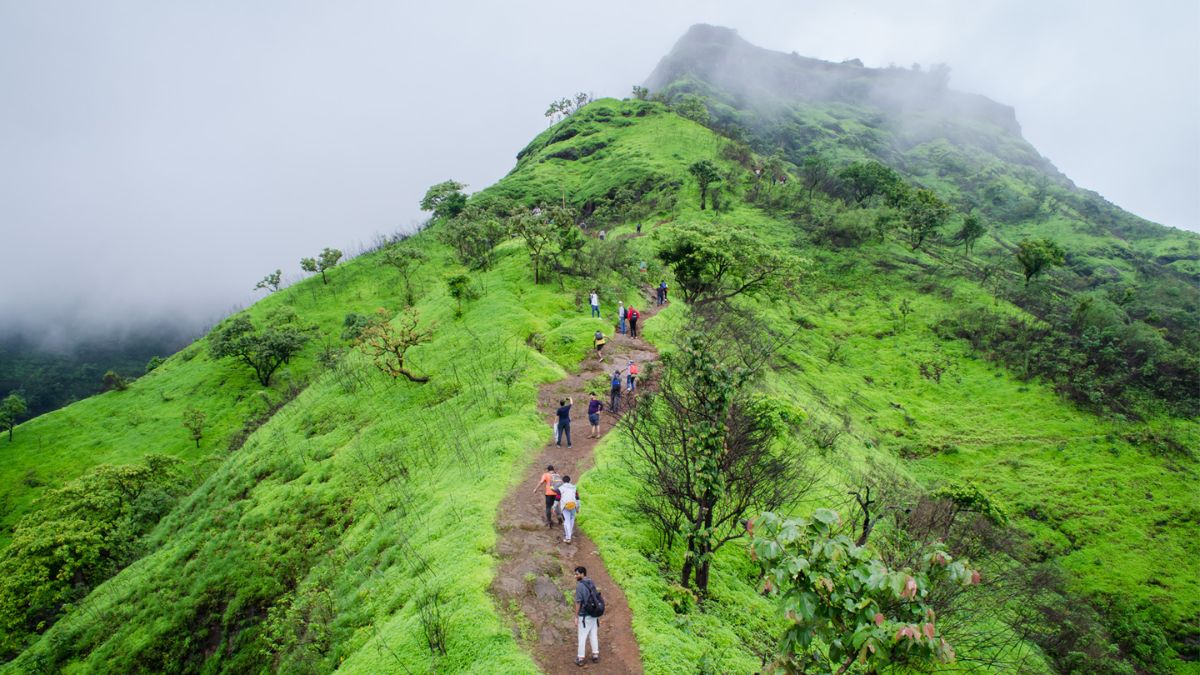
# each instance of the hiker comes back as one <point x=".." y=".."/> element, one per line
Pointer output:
<point x="599" y="341"/>
<point x="631" y="378"/>
<point x="549" y="485"/>
<point x="639" y="228"/>
<point x="564" y="422"/>
<point x="594" y="408"/>
<point x="602" y="233"/>
<point x="633" y="319"/>
<point x="587" y="600"/>
<point x="595" y="305"/>
<point x="662" y="292"/>
<point x="615" y="393"/>
<point x="621" y="315"/>
<point x="568" y="495"/>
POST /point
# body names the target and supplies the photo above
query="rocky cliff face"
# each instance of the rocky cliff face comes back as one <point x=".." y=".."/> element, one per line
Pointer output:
<point x="758" y="77"/>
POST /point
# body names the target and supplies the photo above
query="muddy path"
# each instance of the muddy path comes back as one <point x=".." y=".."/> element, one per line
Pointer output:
<point x="535" y="584"/>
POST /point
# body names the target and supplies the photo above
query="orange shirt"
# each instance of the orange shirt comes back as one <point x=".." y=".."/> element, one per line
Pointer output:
<point x="548" y="479"/>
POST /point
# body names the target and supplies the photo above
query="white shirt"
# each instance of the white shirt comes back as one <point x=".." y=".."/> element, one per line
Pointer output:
<point x="595" y="299"/>
<point x="567" y="490"/>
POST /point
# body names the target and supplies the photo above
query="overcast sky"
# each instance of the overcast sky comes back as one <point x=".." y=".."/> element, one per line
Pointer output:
<point x="158" y="158"/>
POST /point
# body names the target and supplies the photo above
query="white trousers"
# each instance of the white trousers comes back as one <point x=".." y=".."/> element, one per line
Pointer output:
<point x="568" y="524"/>
<point x="589" y="626"/>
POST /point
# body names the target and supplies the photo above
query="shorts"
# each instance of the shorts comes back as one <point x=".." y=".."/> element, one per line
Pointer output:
<point x="594" y="418"/>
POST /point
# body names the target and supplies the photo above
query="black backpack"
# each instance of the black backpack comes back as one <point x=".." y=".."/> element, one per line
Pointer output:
<point x="593" y="605"/>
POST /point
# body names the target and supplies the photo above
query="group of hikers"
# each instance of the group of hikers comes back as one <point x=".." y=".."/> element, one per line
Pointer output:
<point x="627" y="318"/>
<point x="563" y="500"/>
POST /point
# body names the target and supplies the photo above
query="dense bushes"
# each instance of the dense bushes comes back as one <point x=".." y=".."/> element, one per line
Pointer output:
<point x="1092" y="360"/>
<point x="81" y="534"/>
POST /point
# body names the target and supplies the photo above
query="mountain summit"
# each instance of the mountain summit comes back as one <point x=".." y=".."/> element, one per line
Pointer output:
<point x="758" y="77"/>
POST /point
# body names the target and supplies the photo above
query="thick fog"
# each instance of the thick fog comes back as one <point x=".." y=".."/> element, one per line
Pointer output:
<point x="158" y="159"/>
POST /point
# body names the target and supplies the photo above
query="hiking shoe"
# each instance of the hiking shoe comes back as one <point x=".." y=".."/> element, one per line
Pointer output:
<point x="579" y="662"/>
<point x="595" y="658"/>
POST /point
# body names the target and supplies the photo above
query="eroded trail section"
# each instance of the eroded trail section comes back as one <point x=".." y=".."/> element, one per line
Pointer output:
<point x="535" y="584"/>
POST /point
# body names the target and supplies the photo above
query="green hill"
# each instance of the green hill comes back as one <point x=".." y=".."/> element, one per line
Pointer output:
<point x="336" y="517"/>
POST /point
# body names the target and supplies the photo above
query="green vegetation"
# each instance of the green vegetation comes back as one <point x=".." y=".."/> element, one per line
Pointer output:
<point x="11" y="409"/>
<point x="340" y="516"/>
<point x="326" y="261"/>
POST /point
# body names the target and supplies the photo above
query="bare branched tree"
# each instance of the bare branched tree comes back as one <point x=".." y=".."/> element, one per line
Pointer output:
<point x="388" y="345"/>
<point x="708" y="452"/>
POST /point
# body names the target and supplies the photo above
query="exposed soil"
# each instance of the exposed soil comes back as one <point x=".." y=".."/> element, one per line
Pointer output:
<point x="535" y="584"/>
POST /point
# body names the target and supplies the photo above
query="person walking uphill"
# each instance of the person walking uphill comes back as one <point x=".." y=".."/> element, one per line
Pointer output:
<point x="564" y="422"/>
<point x="595" y="305"/>
<point x="549" y="486"/>
<point x="614" y="394"/>
<point x="662" y="292"/>
<point x="589" y="606"/>
<point x="621" y="316"/>
<point x="568" y="497"/>
<point x="633" y="319"/>
<point x="598" y="342"/>
<point x="594" y="408"/>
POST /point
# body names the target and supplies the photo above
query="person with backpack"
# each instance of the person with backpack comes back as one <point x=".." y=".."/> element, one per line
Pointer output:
<point x="598" y="341"/>
<point x="631" y="378"/>
<point x="633" y="319"/>
<point x="621" y="314"/>
<point x="594" y="408"/>
<point x="614" y="394"/>
<point x="549" y="486"/>
<point x="564" y="421"/>
<point x="662" y="292"/>
<point x="595" y="304"/>
<point x="568" y="496"/>
<point x="589" y="607"/>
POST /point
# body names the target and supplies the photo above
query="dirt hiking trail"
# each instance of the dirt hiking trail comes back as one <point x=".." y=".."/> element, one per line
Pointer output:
<point x="535" y="585"/>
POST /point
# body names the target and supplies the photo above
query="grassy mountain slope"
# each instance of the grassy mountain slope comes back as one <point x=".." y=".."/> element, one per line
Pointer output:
<point x="965" y="147"/>
<point x="319" y="541"/>
<point x="361" y="514"/>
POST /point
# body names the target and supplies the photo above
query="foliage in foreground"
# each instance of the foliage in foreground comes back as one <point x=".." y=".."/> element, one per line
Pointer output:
<point x="845" y="605"/>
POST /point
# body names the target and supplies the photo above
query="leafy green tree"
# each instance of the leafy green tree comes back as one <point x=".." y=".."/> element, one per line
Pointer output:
<point x="113" y="381"/>
<point x="193" y="421"/>
<point x="640" y="93"/>
<point x="263" y="350"/>
<point x="445" y="200"/>
<point x="11" y="409"/>
<point x="817" y="173"/>
<point x="861" y="180"/>
<point x="459" y="288"/>
<point x="154" y="363"/>
<point x="271" y="282"/>
<point x="924" y="215"/>
<point x="473" y="234"/>
<point x="692" y="107"/>
<point x="842" y="603"/>
<point x="1038" y="255"/>
<point x="406" y="260"/>
<point x="971" y="231"/>
<point x="716" y="264"/>
<point x="543" y="230"/>
<point x="706" y="176"/>
<point x="327" y="260"/>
